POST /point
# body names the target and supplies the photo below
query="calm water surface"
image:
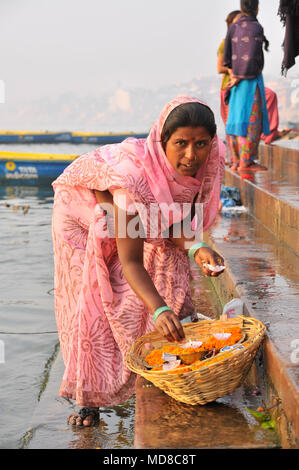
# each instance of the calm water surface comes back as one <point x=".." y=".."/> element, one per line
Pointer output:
<point x="26" y="304"/>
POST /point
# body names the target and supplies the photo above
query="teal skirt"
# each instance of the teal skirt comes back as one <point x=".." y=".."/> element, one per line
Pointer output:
<point x="240" y="106"/>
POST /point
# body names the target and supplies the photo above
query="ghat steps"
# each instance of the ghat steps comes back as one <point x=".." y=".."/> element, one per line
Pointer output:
<point x="261" y="253"/>
<point x="261" y="250"/>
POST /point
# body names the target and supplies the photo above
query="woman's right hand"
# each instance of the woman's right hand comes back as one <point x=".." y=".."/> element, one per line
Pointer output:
<point x="169" y="326"/>
<point x="233" y="81"/>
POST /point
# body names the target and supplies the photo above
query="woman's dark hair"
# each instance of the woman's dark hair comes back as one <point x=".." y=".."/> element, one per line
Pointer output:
<point x="231" y="16"/>
<point x="188" y="115"/>
<point x="250" y="7"/>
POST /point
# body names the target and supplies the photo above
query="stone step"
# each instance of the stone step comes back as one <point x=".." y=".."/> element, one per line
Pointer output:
<point x="265" y="275"/>
<point x="273" y="200"/>
<point x="157" y="421"/>
<point x="281" y="159"/>
<point x="164" y="423"/>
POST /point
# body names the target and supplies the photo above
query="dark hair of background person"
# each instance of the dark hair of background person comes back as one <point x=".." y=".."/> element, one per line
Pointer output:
<point x="250" y="7"/>
<point x="231" y="16"/>
<point x="188" y="115"/>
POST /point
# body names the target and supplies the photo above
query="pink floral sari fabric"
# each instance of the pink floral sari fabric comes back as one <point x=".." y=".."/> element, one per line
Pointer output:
<point x="97" y="312"/>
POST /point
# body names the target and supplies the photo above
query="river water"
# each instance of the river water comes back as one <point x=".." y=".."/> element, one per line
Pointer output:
<point x="26" y="304"/>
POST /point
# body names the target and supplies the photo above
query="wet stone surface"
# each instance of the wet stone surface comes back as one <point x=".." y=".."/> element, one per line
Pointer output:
<point x="157" y="421"/>
<point x="284" y="159"/>
<point x="283" y="186"/>
<point x="161" y="422"/>
<point x="273" y="200"/>
<point x="48" y="427"/>
<point x="265" y="274"/>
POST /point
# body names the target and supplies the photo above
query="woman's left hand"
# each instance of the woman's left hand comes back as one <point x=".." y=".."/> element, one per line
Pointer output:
<point x="205" y="256"/>
<point x="233" y="81"/>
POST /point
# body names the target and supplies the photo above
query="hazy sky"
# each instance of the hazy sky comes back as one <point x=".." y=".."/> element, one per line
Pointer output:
<point x="55" y="46"/>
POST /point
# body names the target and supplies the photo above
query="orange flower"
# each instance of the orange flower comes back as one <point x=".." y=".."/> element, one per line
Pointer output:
<point x="213" y="360"/>
<point x="176" y="350"/>
<point x="154" y="358"/>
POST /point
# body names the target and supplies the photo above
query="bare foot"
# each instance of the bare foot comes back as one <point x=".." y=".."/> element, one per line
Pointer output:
<point x="84" y="417"/>
<point x="234" y="167"/>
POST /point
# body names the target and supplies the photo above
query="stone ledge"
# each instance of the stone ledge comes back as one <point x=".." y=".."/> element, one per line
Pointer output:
<point x="282" y="159"/>
<point x="164" y="423"/>
<point x="265" y="302"/>
<point x="280" y="217"/>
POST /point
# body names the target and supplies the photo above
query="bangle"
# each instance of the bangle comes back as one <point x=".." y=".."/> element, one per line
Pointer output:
<point x="194" y="248"/>
<point x="160" y="310"/>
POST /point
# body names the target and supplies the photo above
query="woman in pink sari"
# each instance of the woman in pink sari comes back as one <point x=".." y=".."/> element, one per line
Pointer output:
<point x="116" y="282"/>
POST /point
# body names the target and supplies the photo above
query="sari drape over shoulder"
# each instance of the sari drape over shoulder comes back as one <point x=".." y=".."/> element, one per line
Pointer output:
<point x="97" y="312"/>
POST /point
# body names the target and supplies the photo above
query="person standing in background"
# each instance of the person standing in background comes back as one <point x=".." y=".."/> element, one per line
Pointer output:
<point x="233" y="15"/>
<point x="271" y="96"/>
<point x="272" y="107"/>
<point x="224" y="70"/>
<point x="248" y="115"/>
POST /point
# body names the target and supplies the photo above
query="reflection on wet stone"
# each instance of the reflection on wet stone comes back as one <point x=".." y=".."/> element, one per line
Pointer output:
<point x="162" y="422"/>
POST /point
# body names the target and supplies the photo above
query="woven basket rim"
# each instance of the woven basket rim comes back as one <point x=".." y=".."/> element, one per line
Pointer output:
<point x="159" y="373"/>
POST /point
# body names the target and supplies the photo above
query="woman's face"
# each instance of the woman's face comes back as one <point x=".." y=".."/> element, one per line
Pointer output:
<point x="187" y="149"/>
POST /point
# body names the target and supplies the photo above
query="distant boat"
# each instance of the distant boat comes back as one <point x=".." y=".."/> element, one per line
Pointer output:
<point x="34" y="137"/>
<point x="68" y="137"/>
<point x="20" y="167"/>
<point x="103" y="139"/>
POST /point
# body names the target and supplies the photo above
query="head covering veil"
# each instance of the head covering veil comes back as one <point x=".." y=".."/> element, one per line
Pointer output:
<point x="141" y="167"/>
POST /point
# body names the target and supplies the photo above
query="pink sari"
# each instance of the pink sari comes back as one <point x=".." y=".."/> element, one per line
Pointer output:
<point x="272" y="106"/>
<point x="98" y="314"/>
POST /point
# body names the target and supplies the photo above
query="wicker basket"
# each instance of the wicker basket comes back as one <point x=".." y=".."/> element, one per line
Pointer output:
<point x="211" y="381"/>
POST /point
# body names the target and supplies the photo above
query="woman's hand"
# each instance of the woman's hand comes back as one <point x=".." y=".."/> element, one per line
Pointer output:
<point x="169" y="326"/>
<point x="233" y="81"/>
<point x="205" y="256"/>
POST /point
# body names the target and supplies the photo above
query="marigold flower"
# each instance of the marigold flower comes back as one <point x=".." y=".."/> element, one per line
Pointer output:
<point x="155" y="358"/>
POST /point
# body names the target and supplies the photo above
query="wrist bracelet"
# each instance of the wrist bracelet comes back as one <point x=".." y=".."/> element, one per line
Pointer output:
<point x="196" y="247"/>
<point x="160" y="310"/>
